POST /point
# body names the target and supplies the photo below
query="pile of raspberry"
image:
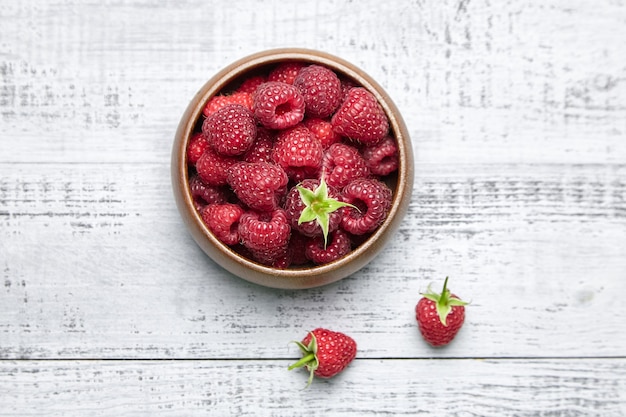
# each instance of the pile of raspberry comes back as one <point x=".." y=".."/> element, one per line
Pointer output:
<point x="294" y="124"/>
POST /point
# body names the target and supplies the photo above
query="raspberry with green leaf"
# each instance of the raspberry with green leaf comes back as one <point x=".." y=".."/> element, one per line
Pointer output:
<point x="319" y="207"/>
<point x="325" y="353"/>
<point x="440" y="315"/>
<point x="294" y="206"/>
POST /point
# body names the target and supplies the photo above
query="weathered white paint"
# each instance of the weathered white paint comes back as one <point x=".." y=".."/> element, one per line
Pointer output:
<point x="517" y="112"/>
<point x="98" y="265"/>
<point x="529" y="388"/>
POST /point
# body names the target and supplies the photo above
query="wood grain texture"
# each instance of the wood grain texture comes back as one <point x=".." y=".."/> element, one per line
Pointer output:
<point x="517" y="113"/>
<point x="478" y="81"/>
<point x="98" y="264"/>
<point x="456" y="388"/>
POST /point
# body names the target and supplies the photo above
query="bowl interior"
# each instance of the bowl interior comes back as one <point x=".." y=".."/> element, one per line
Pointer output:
<point x="401" y="183"/>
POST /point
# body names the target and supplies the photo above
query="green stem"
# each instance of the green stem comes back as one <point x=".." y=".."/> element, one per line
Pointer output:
<point x="305" y="360"/>
<point x="443" y="300"/>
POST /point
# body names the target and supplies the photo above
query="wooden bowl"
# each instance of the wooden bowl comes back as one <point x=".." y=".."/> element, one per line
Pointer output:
<point x="291" y="278"/>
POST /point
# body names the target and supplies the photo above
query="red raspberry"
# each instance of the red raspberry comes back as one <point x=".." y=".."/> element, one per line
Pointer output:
<point x="343" y="163"/>
<point x="294" y="207"/>
<point x="338" y="246"/>
<point x="440" y="316"/>
<point x="298" y="152"/>
<point x="325" y="353"/>
<point x="259" y="185"/>
<point x="261" y="149"/>
<point x="204" y="194"/>
<point x="322" y="130"/>
<point x="283" y="261"/>
<point x="278" y="105"/>
<point x="361" y="117"/>
<point x="196" y="147"/>
<point x="266" y="235"/>
<point x="231" y="130"/>
<point x="285" y="72"/>
<point x="373" y="200"/>
<point x="213" y="168"/>
<point x="346" y="85"/>
<point x="223" y="221"/>
<point x="320" y="88"/>
<point x="358" y="240"/>
<point x="382" y="158"/>
<point x="296" y="250"/>
<point x="242" y="250"/>
<point x="249" y="85"/>
<point x="217" y="102"/>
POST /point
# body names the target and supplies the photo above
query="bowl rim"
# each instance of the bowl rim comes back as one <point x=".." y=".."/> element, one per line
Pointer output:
<point x="293" y="277"/>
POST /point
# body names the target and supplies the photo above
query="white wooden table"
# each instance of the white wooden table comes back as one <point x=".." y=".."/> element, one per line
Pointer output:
<point x="517" y="112"/>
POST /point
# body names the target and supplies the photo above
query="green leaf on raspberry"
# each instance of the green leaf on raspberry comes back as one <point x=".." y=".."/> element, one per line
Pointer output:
<point x="443" y="302"/>
<point x="309" y="358"/>
<point x="319" y="206"/>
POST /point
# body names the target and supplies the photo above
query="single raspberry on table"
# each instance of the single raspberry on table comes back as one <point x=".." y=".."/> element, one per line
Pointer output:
<point x="231" y="130"/>
<point x="217" y="102"/>
<point x="196" y="147"/>
<point x="298" y="152"/>
<point x="286" y="72"/>
<point x="259" y="185"/>
<point x="223" y="221"/>
<point x="278" y="105"/>
<point x="265" y="235"/>
<point x="360" y="117"/>
<point x="261" y="149"/>
<point x="382" y="158"/>
<point x="325" y="353"/>
<point x="440" y="316"/>
<point x="342" y="164"/>
<point x="204" y="194"/>
<point x="321" y="253"/>
<point x="372" y="199"/>
<point x="295" y="204"/>
<point x="320" y="88"/>
<point x="250" y="84"/>
<point x="322" y="129"/>
<point x="213" y="167"/>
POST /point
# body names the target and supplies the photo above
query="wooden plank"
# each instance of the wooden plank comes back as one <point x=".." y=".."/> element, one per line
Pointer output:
<point x="517" y="112"/>
<point x="479" y="81"/>
<point x="96" y="264"/>
<point x="521" y="388"/>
